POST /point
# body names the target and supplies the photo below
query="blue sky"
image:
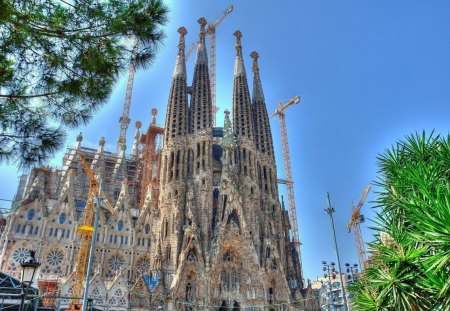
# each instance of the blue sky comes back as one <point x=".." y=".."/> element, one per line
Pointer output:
<point x="368" y="73"/>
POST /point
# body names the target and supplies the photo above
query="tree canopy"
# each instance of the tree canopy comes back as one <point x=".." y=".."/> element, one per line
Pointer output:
<point x="59" y="60"/>
<point x="409" y="260"/>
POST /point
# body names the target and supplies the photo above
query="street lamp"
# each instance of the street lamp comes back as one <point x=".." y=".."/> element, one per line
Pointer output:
<point x="330" y="210"/>
<point x="352" y="271"/>
<point x="29" y="268"/>
<point x="330" y="268"/>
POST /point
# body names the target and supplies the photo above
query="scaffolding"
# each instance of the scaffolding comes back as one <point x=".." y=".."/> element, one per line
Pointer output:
<point x="150" y="163"/>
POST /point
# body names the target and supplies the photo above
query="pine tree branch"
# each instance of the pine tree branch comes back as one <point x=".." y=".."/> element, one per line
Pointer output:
<point x="28" y="96"/>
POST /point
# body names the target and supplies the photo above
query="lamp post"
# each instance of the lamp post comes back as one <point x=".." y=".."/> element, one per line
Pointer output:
<point x="352" y="271"/>
<point x="330" y="268"/>
<point x="29" y="268"/>
<point x="330" y="210"/>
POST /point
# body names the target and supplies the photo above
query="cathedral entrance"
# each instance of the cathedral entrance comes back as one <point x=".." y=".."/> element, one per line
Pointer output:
<point x="234" y="306"/>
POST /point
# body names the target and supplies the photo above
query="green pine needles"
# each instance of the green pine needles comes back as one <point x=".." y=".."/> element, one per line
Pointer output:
<point x="409" y="265"/>
<point x="59" y="60"/>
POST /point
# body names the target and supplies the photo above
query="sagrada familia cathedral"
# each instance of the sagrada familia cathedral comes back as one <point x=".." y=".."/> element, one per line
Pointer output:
<point x="194" y="219"/>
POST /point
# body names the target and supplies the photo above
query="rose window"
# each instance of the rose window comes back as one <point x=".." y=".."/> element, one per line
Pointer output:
<point x="58" y="271"/>
<point x="143" y="265"/>
<point x="122" y="302"/>
<point x="46" y="270"/>
<point x="21" y="254"/>
<point x="55" y="258"/>
<point x="96" y="292"/>
<point x="115" y="262"/>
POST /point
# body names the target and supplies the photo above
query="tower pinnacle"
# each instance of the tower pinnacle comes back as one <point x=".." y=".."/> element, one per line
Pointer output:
<point x="177" y="108"/>
<point x="242" y="119"/>
<point x="183" y="32"/>
<point x="238" y="35"/>
<point x="263" y="135"/>
<point x="180" y="67"/>
<point x="200" y="111"/>
<point x="257" y="87"/>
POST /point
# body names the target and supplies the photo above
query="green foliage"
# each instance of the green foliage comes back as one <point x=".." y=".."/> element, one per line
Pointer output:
<point x="59" y="61"/>
<point x="409" y="267"/>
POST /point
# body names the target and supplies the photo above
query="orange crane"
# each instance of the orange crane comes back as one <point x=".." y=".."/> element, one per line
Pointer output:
<point x="85" y="231"/>
<point x="124" y="120"/>
<point x="355" y="220"/>
<point x="287" y="169"/>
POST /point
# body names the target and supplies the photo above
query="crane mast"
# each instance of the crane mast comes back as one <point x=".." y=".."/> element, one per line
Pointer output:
<point x="287" y="169"/>
<point x="355" y="223"/>
<point x="212" y="54"/>
<point x="85" y="231"/>
<point x="124" y="120"/>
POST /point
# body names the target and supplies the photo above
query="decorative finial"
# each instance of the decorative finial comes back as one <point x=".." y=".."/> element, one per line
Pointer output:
<point x="182" y="31"/>
<point x="202" y="21"/>
<point x="227" y="112"/>
<point x="101" y="142"/>
<point x="238" y="35"/>
<point x="138" y="124"/>
<point x="154" y="113"/>
<point x="80" y="137"/>
<point x="255" y="57"/>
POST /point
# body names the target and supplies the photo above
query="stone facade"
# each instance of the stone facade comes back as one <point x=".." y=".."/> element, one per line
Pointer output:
<point x="213" y="236"/>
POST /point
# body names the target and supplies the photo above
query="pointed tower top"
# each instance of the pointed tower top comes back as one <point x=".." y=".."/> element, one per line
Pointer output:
<point x="202" y="22"/>
<point x="257" y="86"/>
<point x="201" y="50"/>
<point x="255" y="57"/>
<point x="238" y="35"/>
<point x="239" y="68"/>
<point x="180" y="68"/>
<point x="183" y="32"/>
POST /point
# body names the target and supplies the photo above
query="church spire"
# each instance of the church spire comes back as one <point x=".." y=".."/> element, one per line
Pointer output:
<point x="242" y="119"/>
<point x="177" y="108"/>
<point x="200" y="113"/>
<point x="263" y="134"/>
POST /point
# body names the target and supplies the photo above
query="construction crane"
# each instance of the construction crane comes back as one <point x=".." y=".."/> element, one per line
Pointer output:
<point x="189" y="52"/>
<point x="211" y="31"/>
<point x="355" y="220"/>
<point x="85" y="231"/>
<point x="287" y="168"/>
<point x="124" y="120"/>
